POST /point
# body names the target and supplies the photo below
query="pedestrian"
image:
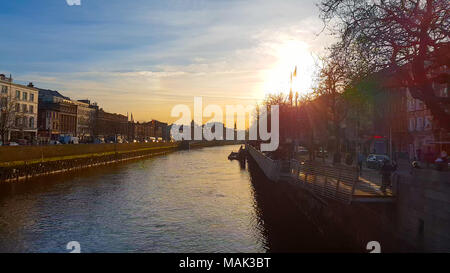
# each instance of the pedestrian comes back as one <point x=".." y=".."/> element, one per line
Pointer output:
<point x="360" y="162"/>
<point x="386" y="171"/>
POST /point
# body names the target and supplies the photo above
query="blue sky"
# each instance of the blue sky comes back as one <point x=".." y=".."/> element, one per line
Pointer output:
<point x="146" y="56"/>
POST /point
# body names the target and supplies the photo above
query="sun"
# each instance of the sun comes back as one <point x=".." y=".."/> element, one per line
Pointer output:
<point x="288" y="55"/>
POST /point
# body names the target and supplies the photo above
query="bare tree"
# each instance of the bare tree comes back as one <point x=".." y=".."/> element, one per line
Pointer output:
<point x="407" y="35"/>
<point x="10" y="116"/>
<point x="332" y="82"/>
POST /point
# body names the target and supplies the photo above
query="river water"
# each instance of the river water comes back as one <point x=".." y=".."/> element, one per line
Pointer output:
<point x="186" y="201"/>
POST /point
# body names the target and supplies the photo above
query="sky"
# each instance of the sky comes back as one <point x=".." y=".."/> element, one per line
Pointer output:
<point x="144" y="57"/>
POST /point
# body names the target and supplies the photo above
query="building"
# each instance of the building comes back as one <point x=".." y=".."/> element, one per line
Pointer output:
<point x="57" y="116"/>
<point x="148" y="131"/>
<point x="110" y="126"/>
<point x="426" y="134"/>
<point x="388" y="104"/>
<point x="390" y="135"/>
<point x="403" y="125"/>
<point x="139" y="131"/>
<point x="86" y="113"/>
<point x="19" y="107"/>
<point x="159" y="130"/>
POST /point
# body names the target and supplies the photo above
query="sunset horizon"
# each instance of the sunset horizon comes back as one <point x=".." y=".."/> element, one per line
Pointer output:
<point x="146" y="72"/>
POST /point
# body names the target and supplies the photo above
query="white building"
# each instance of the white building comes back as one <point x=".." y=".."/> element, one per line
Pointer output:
<point x="85" y="119"/>
<point x="19" y="107"/>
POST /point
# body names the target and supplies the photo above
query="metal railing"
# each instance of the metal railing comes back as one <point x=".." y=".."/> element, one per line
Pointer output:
<point x="335" y="182"/>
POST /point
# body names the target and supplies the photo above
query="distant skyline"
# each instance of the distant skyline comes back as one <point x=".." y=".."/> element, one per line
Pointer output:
<point x="145" y="57"/>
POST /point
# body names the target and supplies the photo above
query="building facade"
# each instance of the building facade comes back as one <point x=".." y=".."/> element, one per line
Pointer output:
<point x="148" y="131"/>
<point x="427" y="139"/>
<point x="57" y="116"/>
<point x="110" y="126"/>
<point x="159" y="130"/>
<point x="86" y="113"/>
<point x="19" y="109"/>
<point x="390" y="135"/>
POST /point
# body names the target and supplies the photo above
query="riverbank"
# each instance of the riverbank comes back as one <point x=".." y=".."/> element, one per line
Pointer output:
<point x="25" y="162"/>
<point x="20" y="155"/>
<point x="214" y="143"/>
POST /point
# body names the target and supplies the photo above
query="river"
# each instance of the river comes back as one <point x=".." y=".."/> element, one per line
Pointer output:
<point x="185" y="201"/>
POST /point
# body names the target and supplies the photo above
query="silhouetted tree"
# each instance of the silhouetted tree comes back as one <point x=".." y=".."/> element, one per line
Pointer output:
<point x="408" y="34"/>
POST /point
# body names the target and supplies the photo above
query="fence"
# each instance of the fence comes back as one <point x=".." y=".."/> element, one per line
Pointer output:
<point x="335" y="182"/>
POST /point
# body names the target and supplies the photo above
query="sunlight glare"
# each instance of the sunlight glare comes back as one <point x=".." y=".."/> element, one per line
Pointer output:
<point x="290" y="54"/>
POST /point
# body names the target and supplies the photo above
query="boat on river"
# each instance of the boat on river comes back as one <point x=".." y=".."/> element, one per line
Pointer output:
<point x="240" y="155"/>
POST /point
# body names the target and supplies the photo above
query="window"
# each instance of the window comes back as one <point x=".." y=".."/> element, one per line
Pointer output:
<point x="31" y="97"/>
<point x="18" y="94"/>
<point x="25" y="121"/>
<point x="17" y="107"/>
<point x="31" y="109"/>
<point x="419" y="125"/>
<point x="4" y="102"/>
<point x="25" y="96"/>
<point x="31" y="125"/>
<point x="419" y="105"/>
<point x="412" y="124"/>
<point x="428" y="122"/>
<point x="411" y="105"/>
<point x="4" y="89"/>
<point x="24" y="108"/>
<point x="444" y="92"/>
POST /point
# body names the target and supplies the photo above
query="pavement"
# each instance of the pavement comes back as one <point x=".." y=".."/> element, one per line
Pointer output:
<point x="369" y="180"/>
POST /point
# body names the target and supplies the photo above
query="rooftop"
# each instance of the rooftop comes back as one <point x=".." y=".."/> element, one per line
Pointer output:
<point x="53" y="93"/>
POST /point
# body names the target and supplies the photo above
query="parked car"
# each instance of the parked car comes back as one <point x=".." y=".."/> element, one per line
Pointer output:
<point x="22" y="141"/>
<point x="302" y="150"/>
<point x="374" y="161"/>
<point x="322" y="153"/>
<point x="99" y="141"/>
<point x="54" y="142"/>
<point x="12" y="144"/>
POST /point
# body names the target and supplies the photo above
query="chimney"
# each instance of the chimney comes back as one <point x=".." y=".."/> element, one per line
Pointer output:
<point x="31" y="85"/>
<point x="2" y="77"/>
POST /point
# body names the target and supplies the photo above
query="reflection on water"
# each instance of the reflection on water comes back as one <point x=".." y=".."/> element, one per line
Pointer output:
<point x="187" y="201"/>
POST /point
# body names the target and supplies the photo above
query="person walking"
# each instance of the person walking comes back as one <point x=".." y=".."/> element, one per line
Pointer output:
<point x="386" y="171"/>
<point x="360" y="162"/>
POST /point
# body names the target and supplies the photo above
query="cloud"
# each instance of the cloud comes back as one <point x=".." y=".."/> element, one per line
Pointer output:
<point x="152" y="55"/>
